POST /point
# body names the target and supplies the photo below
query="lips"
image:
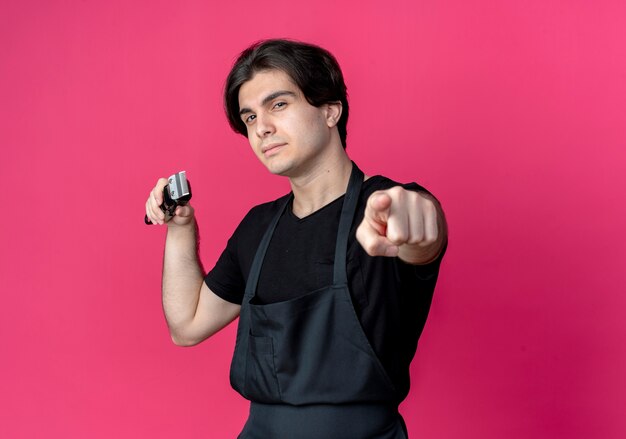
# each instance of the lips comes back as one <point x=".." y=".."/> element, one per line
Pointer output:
<point x="271" y="149"/>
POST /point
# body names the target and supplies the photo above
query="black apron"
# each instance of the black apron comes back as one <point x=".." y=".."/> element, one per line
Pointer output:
<point x="306" y="364"/>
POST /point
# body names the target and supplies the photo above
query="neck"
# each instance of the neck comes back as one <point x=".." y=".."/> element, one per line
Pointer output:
<point x="325" y="182"/>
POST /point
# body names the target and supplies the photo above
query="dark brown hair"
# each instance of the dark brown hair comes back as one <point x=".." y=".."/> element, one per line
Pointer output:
<point x="313" y="69"/>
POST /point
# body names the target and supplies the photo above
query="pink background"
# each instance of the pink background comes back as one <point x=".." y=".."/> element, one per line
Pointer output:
<point x="512" y="113"/>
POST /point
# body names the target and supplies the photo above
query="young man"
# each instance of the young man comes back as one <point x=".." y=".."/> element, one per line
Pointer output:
<point x="332" y="282"/>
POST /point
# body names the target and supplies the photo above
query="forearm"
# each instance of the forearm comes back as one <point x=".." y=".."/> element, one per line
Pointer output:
<point x="182" y="276"/>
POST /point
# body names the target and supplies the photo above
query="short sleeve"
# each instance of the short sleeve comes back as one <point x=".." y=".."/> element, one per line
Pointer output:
<point x="226" y="279"/>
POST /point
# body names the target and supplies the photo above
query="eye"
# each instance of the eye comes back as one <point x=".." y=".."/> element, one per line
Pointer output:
<point x="249" y="119"/>
<point x="279" y="105"/>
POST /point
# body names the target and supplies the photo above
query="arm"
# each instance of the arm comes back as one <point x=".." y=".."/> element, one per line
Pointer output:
<point x="193" y="312"/>
<point x="403" y="223"/>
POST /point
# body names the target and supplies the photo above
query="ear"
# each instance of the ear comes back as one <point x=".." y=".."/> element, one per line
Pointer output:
<point x="333" y="113"/>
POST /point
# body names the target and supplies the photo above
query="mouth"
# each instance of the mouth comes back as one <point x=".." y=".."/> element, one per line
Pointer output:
<point x="271" y="149"/>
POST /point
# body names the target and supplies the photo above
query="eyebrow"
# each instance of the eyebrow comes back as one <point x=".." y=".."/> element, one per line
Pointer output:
<point x="269" y="98"/>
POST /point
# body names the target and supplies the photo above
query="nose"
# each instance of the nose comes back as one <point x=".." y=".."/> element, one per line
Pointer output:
<point x="264" y="125"/>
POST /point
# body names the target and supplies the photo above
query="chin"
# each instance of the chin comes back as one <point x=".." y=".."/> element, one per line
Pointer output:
<point x="281" y="169"/>
<point x="280" y="172"/>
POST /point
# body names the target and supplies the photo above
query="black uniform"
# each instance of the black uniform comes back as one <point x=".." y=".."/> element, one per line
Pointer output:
<point x="321" y="351"/>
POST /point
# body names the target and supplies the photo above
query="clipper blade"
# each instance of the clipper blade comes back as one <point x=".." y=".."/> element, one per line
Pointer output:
<point x="178" y="186"/>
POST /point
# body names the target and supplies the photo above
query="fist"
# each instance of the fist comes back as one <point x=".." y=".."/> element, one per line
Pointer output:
<point x="182" y="216"/>
<point x="400" y="222"/>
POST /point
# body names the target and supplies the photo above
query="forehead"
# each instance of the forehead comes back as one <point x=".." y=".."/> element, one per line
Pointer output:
<point x="263" y="84"/>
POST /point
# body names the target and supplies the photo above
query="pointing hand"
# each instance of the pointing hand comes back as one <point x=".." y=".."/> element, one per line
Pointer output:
<point x="400" y="222"/>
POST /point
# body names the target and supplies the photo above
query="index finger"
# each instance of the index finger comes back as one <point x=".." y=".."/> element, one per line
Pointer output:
<point x="378" y="207"/>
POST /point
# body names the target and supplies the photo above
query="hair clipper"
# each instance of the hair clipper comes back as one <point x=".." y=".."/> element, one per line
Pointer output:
<point x="177" y="192"/>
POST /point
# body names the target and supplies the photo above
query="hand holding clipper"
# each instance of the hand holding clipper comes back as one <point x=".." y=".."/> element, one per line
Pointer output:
<point x="177" y="192"/>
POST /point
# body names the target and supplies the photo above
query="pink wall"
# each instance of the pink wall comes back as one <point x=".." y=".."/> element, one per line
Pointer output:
<point x="513" y="113"/>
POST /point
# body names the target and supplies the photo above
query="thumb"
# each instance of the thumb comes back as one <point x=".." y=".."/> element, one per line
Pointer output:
<point x="184" y="211"/>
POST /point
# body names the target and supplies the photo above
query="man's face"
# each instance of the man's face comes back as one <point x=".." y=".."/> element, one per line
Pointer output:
<point x="288" y="135"/>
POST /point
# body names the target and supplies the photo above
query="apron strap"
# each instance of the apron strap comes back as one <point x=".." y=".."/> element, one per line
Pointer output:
<point x="340" y="276"/>
<point x="255" y="269"/>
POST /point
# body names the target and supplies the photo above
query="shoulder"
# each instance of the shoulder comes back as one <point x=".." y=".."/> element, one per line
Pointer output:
<point x="269" y="208"/>
<point x="258" y="218"/>
<point x="380" y="183"/>
<point x="248" y="234"/>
